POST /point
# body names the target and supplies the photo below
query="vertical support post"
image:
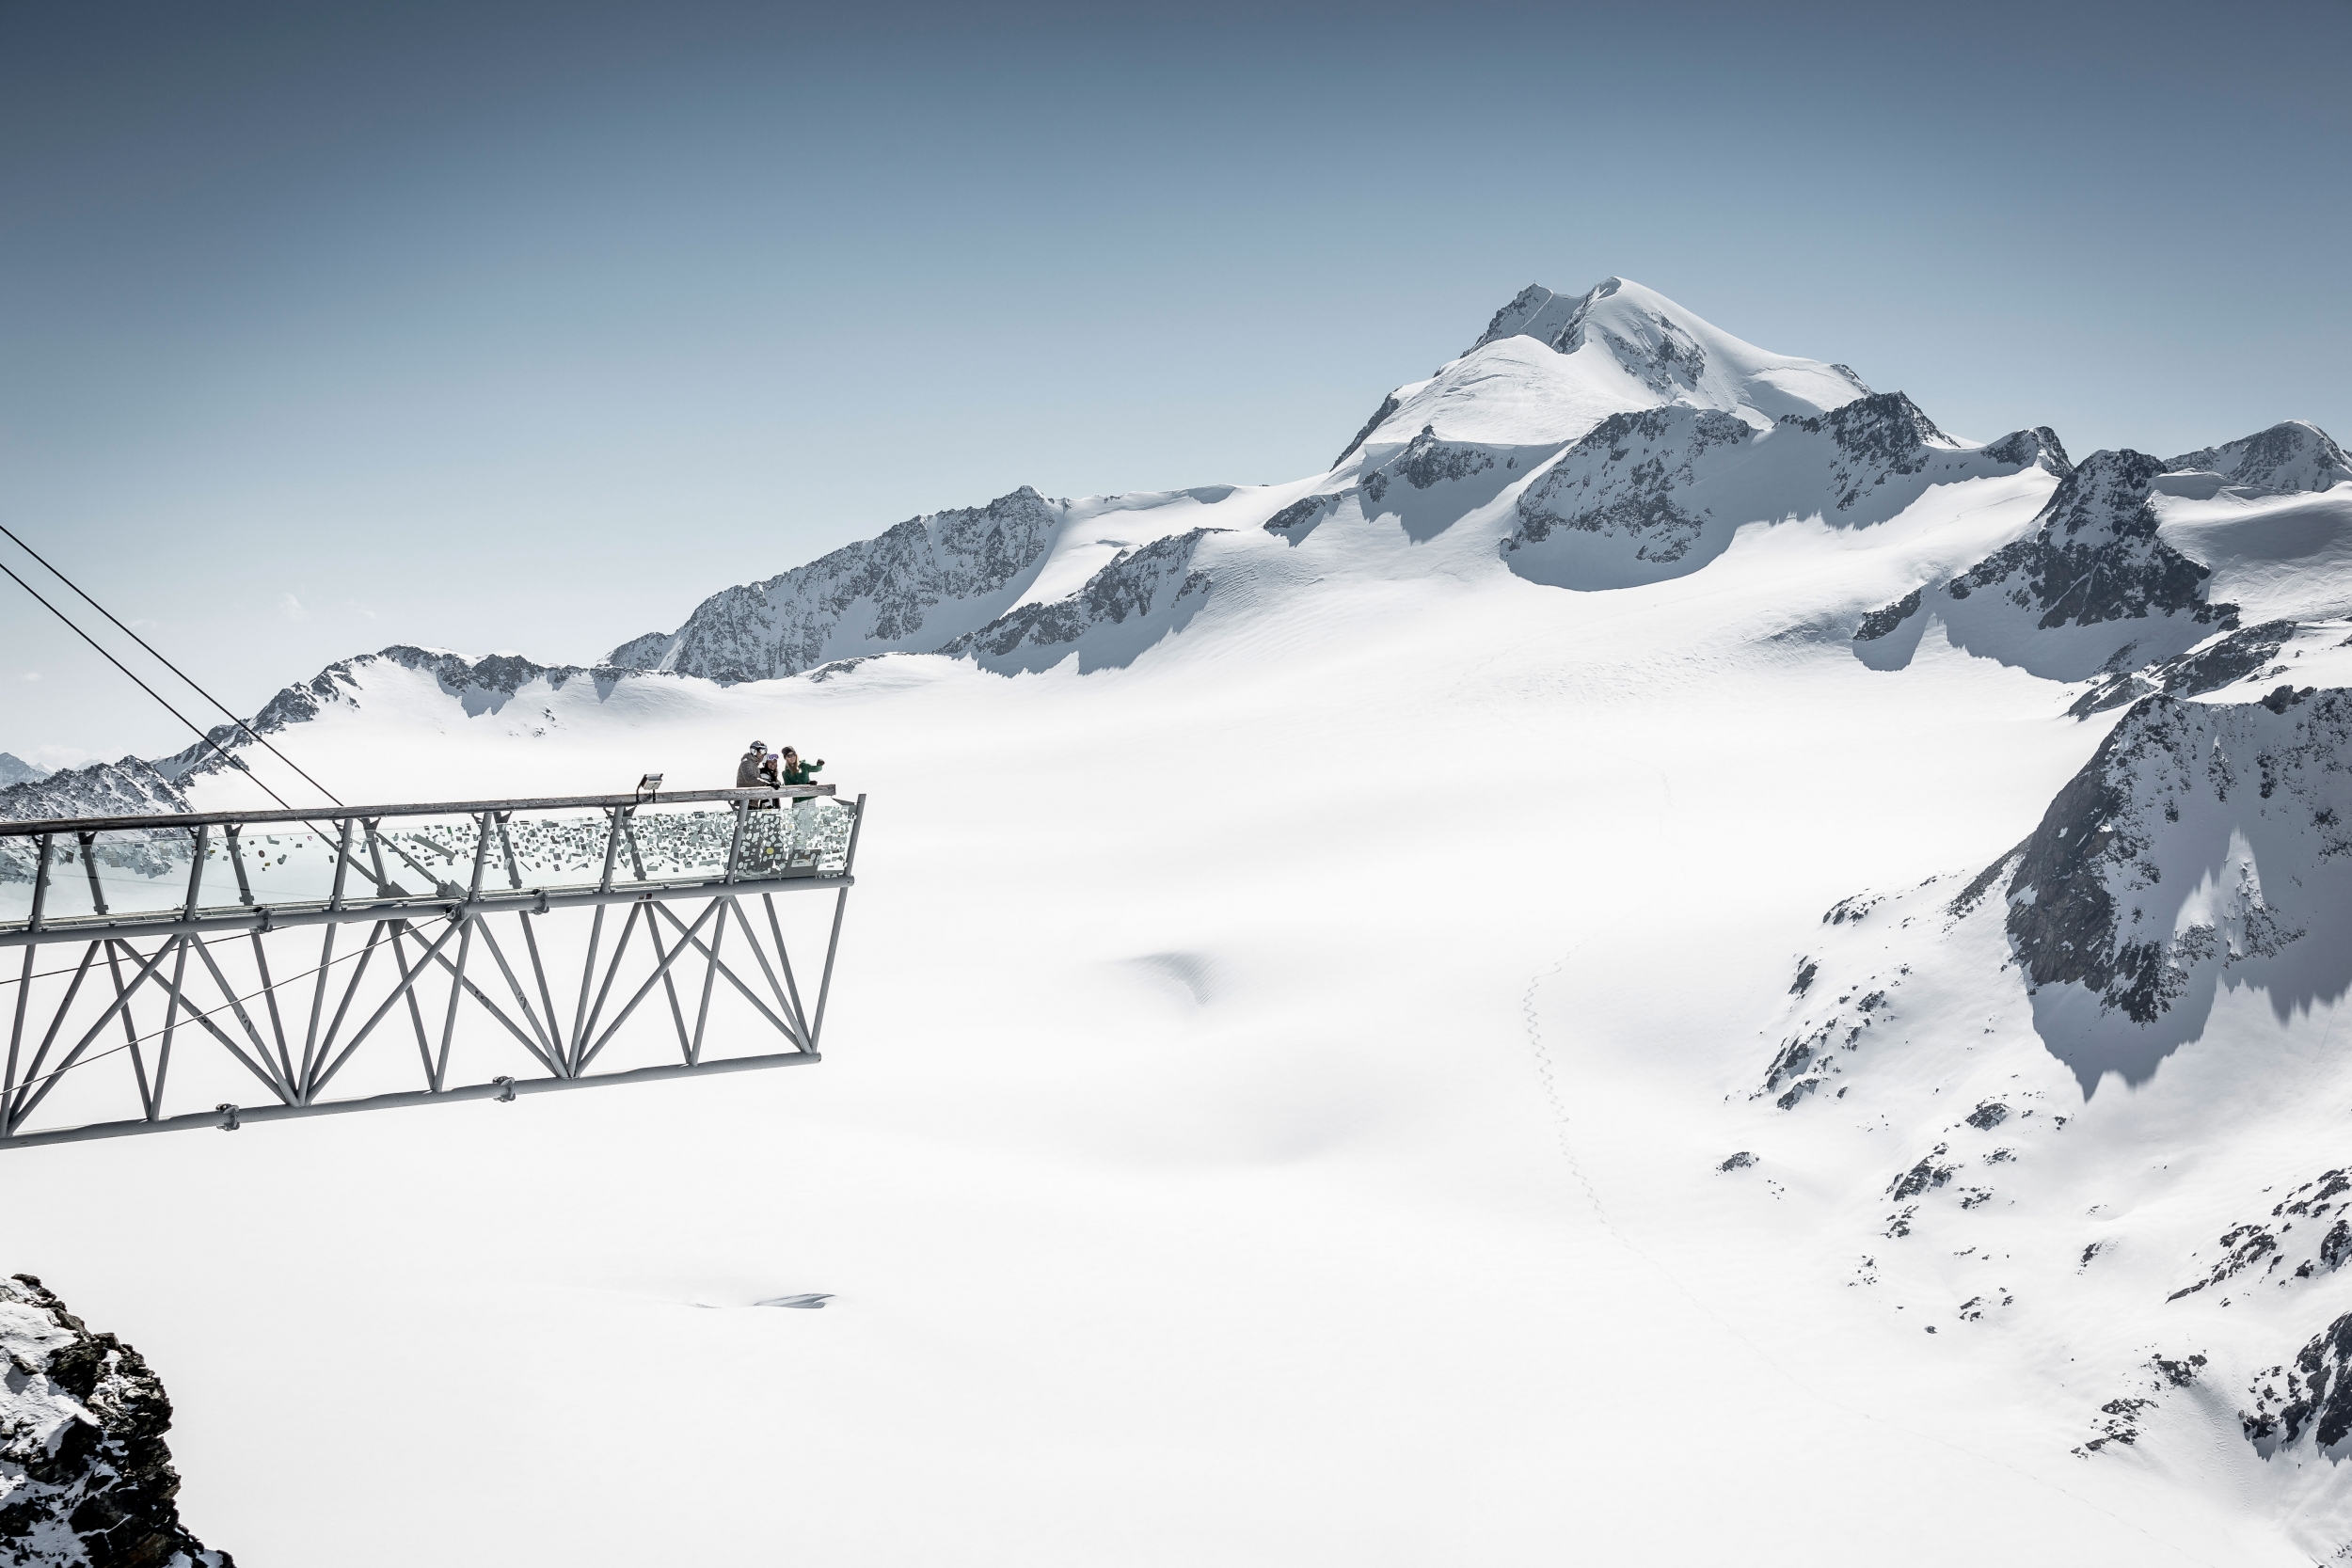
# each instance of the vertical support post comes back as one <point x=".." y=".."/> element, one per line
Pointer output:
<point x="481" y="859"/>
<point x="236" y="859"/>
<point x="375" y="857"/>
<point x="342" y="866"/>
<point x="89" y="864"/>
<point x="514" y="868"/>
<point x="734" y="850"/>
<point x="833" y="944"/>
<point x="629" y="836"/>
<point x="197" y="853"/>
<point x="41" y="885"/>
<point x="611" y="851"/>
<point x="857" y="824"/>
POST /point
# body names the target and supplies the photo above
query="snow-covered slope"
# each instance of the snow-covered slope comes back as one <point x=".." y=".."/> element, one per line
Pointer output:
<point x="1549" y="368"/>
<point x="1336" y="1037"/>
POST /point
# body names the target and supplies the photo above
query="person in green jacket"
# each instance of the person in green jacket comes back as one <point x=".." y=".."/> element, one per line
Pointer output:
<point x="799" y="773"/>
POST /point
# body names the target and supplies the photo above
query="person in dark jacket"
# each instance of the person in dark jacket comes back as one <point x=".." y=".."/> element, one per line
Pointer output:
<point x="798" y="772"/>
<point x="756" y="770"/>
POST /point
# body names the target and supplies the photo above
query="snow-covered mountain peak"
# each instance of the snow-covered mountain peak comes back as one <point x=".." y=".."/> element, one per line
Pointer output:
<point x="2293" y="455"/>
<point x="1550" y="367"/>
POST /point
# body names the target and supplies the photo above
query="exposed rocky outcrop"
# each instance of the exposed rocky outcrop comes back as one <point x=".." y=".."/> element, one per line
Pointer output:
<point x="1625" y="481"/>
<point x="2092" y="589"/>
<point x="1659" y="492"/>
<point x="2095" y="556"/>
<point x="1379" y="417"/>
<point x="85" y="1480"/>
<point x="1426" y="461"/>
<point x="911" y="589"/>
<point x="2309" y="1394"/>
<point x="2271" y="1251"/>
<point x="1298" y="519"/>
<point x="2201" y="838"/>
<point x="2296" y="455"/>
<point x="2099" y="586"/>
<point x="2207" y="668"/>
<point x="125" y="789"/>
<point x="640" y="653"/>
<point x="1139" y="597"/>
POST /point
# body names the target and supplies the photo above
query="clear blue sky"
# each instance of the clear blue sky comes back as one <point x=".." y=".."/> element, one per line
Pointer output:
<point x="525" y="326"/>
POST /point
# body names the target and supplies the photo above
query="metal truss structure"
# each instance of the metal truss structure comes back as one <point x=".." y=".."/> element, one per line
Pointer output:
<point x="180" y="916"/>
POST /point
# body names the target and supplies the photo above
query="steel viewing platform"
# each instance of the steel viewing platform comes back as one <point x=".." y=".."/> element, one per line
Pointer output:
<point x="177" y="916"/>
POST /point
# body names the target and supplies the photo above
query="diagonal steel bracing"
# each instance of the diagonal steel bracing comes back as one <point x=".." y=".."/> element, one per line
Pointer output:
<point x="212" y="914"/>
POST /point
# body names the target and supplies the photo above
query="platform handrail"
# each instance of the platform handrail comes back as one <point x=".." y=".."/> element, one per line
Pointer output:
<point x="441" y="808"/>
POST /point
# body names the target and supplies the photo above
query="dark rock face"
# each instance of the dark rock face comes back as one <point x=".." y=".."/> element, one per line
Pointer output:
<point x="125" y="789"/>
<point x="1296" y="519"/>
<point x="1923" y="1177"/>
<point x="2193" y="674"/>
<point x="2296" y="455"/>
<point x="2093" y="559"/>
<point x="1659" y="492"/>
<point x="2201" y="837"/>
<point x="1621" y="477"/>
<point x="924" y="583"/>
<point x="640" y="653"/>
<point x="1155" y="582"/>
<point x="2312" y="1393"/>
<point x="1881" y="623"/>
<point x="1426" y="461"/>
<point x="85" y="1480"/>
<point x="1379" y="417"/>
<point x="2095" y="556"/>
<point x="1879" y="438"/>
<point x="2323" y="1211"/>
<point x="2025" y="448"/>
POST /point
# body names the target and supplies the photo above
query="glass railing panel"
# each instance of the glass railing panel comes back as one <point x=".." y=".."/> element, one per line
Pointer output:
<point x="556" y="850"/>
<point x="276" y="864"/>
<point x="421" y="857"/>
<point x="682" y="843"/>
<point x="140" y="872"/>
